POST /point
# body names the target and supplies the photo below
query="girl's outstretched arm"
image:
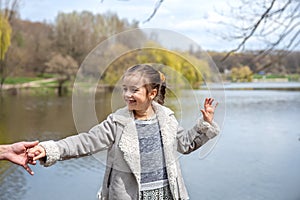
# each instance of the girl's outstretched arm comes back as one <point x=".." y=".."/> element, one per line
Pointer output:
<point x="98" y="138"/>
<point x="205" y="129"/>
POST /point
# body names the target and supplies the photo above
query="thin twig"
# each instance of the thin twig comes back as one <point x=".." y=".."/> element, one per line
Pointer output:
<point x="158" y="4"/>
<point x="255" y="26"/>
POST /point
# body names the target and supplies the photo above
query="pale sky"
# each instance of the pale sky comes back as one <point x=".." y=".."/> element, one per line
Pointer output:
<point x="196" y="19"/>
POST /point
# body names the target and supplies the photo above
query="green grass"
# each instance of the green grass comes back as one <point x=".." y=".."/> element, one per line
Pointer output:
<point x="20" y="80"/>
<point x="269" y="76"/>
<point x="294" y="77"/>
<point x="275" y="76"/>
<point x="290" y="77"/>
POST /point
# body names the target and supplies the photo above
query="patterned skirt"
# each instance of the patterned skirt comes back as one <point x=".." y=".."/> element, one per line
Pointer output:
<point x="163" y="193"/>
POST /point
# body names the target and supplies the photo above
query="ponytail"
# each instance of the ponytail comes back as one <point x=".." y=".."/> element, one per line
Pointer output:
<point x="160" y="97"/>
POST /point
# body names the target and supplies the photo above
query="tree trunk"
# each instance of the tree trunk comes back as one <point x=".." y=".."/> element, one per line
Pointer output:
<point x="60" y="87"/>
<point x="59" y="91"/>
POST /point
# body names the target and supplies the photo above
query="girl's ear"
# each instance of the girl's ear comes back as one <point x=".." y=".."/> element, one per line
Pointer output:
<point x="153" y="94"/>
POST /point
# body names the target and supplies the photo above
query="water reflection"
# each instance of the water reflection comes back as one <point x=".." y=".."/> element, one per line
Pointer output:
<point x="13" y="183"/>
<point x="27" y="117"/>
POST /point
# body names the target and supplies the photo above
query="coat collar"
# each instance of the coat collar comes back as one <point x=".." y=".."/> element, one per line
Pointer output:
<point x="129" y="143"/>
<point x="124" y="116"/>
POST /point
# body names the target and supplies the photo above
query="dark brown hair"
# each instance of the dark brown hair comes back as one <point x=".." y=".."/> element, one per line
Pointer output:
<point x="152" y="78"/>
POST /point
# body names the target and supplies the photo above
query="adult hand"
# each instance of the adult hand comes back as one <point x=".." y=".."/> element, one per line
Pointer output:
<point x="17" y="153"/>
<point x="209" y="110"/>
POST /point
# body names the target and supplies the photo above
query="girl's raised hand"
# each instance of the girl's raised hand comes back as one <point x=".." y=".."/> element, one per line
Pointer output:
<point x="209" y="110"/>
<point x="36" y="153"/>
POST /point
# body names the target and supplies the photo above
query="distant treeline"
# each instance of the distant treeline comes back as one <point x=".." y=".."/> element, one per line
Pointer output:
<point x="33" y="44"/>
<point x="39" y="47"/>
<point x="275" y="62"/>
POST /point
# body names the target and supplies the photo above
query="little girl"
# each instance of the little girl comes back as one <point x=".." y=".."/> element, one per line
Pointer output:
<point x="141" y="139"/>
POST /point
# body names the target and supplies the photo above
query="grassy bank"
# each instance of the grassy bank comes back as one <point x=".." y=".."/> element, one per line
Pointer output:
<point x="34" y="86"/>
<point x="21" y="80"/>
<point x="288" y="77"/>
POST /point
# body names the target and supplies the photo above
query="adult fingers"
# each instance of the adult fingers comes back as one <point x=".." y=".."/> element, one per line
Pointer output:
<point x="28" y="169"/>
<point x="30" y="144"/>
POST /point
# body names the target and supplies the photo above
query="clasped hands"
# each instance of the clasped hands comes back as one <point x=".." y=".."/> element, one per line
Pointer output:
<point x="34" y="154"/>
<point x="23" y="153"/>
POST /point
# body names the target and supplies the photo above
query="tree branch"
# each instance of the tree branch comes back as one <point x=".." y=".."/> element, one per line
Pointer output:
<point x="255" y="26"/>
<point x="280" y="11"/>
<point x="158" y="4"/>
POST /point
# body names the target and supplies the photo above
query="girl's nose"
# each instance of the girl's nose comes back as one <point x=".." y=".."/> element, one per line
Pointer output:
<point x="127" y="93"/>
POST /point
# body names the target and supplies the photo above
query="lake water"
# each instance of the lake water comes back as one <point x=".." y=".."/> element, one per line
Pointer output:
<point x="256" y="157"/>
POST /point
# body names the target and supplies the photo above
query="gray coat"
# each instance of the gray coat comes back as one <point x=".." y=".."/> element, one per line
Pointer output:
<point x="117" y="134"/>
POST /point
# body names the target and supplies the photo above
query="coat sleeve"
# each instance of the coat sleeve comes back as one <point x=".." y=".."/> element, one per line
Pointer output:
<point x="100" y="137"/>
<point x="190" y="140"/>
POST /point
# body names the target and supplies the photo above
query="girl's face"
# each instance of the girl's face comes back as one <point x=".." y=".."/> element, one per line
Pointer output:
<point x="135" y="93"/>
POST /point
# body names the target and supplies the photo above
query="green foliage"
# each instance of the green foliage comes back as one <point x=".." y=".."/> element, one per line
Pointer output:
<point x="5" y="35"/>
<point x="294" y="77"/>
<point x="241" y="74"/>
<point x="77" y="33"/>
<point x="179" y="68"/>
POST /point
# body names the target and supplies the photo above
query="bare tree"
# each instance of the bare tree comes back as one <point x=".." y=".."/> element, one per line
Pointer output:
<point x="9" y="8"/>
<point x="273" y="23"/>
<point x="76" y="33"/>
<point x="64" y="67"/>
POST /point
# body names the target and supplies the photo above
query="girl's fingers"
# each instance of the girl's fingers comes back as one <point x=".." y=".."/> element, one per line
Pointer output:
<point x="208" y="104"/>
<point x="203" y="112"/>
<point x="205" y="101"/>
<point x="216" y="105"/>
<point x="32" y="162"/>
<point x="208" y="101"/>
<point x="38" y="157"/>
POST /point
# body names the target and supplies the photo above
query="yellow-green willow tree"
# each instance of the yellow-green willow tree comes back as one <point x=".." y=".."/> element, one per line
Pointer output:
<point x="5" y="35"/>
<point x="179" y="65"/>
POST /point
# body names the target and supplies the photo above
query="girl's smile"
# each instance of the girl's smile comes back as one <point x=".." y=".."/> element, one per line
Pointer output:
<point x="136" y="96"/>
